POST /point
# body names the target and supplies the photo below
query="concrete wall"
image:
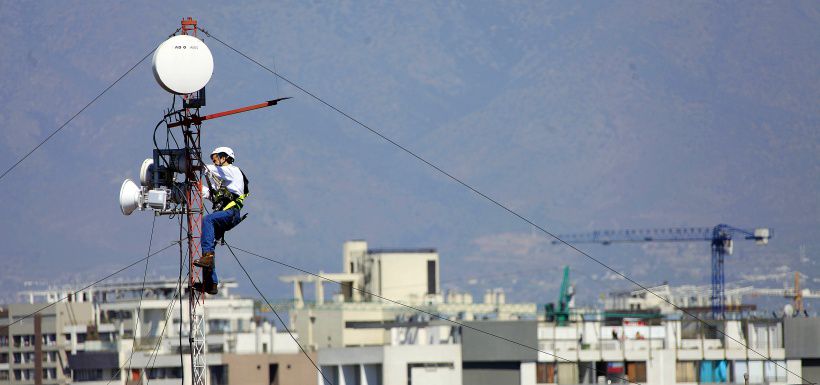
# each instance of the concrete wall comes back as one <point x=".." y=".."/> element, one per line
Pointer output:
<point x="491" y="360"/>
<point x="443" y="364"/>
<point x="293" y="369"/>
<point x="480" y="347"/>
<point x="427" y="364"/>
<point x="528" y="372"/>
<point x="403" y="276"/>
<point x="802" y="337"/>
<point x="492" y="373"/>
<point x="350" y="356"/>
<point x="325" y="329"/>
<point x="803" y="368"/>
<point x="810" y="371"/>
<point x="363" y="337"/>
<point x="660" y="369"/>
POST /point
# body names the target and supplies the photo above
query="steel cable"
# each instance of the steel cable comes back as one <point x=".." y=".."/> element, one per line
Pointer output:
<point x="488" y="198"/>
<point x="438" y="316"/>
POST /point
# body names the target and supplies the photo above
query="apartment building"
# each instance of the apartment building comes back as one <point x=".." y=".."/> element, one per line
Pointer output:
<point x="419" y="351"/>
<point x="32" y="349"/>
<point x="129" y="333"/>
<point x="362" y="339"/>
<point x="386" y="280"/>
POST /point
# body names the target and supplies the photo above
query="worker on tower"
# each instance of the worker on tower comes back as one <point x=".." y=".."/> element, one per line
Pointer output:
<point x="227" y="187"/>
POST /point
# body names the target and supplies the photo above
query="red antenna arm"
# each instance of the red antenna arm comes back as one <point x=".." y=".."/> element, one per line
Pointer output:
<point x="195" y="119"/>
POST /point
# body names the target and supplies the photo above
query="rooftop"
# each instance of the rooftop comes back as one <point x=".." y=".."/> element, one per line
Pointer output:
<point x="402" y="251"/>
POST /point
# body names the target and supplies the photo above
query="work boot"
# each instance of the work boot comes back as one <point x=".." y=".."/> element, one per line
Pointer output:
<point x="207" y="260"/>
<point x="209" y="288"/>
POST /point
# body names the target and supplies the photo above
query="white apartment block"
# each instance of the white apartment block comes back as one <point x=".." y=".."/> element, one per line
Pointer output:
<point x="130" y="333"/>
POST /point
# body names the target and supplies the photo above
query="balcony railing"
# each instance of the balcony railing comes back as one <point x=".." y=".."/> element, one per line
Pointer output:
<point x="604" y="345"/>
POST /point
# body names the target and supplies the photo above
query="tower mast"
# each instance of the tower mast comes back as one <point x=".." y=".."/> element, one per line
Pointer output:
<point x="161" y="189"/>
<point x="193" y="207"/>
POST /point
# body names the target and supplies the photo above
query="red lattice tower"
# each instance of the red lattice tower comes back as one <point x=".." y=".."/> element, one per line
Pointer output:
<point x="194" y="208"/>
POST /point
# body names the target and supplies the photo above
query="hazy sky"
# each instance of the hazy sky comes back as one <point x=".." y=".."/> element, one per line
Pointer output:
<point x="579" y="116"/>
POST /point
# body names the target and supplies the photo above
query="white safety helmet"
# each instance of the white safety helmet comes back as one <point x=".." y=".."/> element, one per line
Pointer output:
<point x="226" y="150"/>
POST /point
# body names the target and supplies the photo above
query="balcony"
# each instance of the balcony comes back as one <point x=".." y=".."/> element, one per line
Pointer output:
<point x="100" y="346"/>
<point x="631" y="349"/>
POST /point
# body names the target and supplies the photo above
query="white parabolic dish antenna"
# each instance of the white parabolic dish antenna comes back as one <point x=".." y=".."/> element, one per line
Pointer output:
<point x="129" y="197"/>
<point x="146" y="170"/>
<point x="183" y="64"/>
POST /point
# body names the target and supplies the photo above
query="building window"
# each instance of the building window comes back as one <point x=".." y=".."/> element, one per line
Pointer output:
<point x="567" y="373"/>
<point x="544" y="373"/>
<point x="352" y="374"/>
<point x="774" y="371"/>
<point x="4" y="375"/>
<point x="713" y="371"/>
<point x="160" y="373"/>
<point x="50" y="357"/>
<point x="372" y="373"/>
<point x="24" y="374"/>
<point x="758" y="371"/>
<point x="331" y="373"/>
<point x="218" y="374"/>
<point x="219" y="326"/>
<point x="27" y="340"/>
<point x="50" y="374"/>
<point x="49" y="339"/>
<point x="636" y="371"/>
<point x="87" y="375"/>
<point x="686" y="371"/>
<point x="273" y="373"/>
<point x="431" y="277"/>
<point x="4" y="341"/>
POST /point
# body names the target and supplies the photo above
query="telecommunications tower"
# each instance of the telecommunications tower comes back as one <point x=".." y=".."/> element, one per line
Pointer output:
<point x="171" y="181"/>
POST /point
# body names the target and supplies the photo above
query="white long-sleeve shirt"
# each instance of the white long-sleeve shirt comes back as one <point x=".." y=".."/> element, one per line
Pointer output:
<point x="230" y="176"/>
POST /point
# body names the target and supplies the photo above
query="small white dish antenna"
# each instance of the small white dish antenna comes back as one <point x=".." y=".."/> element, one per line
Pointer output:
<point x="146" y="171"/>
<point x="183" y="64"/>
<point x="130" y="197"/>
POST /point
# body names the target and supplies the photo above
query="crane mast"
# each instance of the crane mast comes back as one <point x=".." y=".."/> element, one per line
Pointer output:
<point x="560" y="311"/>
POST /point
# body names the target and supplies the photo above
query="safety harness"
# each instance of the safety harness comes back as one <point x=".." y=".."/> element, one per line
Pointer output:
<point x="225" y="200"/>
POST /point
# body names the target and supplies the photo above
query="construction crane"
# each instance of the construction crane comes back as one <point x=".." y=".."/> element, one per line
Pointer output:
<point x="720" y="236"/>
<point x="795" y="293"/>
<point x="560" y="312"/>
